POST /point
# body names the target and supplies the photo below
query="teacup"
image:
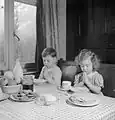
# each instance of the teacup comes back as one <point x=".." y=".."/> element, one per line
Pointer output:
<point x="66" y="85"/>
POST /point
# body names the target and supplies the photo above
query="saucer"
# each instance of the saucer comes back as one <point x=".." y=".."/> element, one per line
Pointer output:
<point x="62" y="89"/>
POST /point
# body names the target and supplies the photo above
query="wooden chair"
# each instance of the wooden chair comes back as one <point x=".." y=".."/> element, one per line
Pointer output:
<point x="69" y="70"/>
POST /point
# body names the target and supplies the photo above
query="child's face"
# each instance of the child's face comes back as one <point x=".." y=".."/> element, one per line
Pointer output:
<point x="86" y="65"/>
<point x="49" y="61"/>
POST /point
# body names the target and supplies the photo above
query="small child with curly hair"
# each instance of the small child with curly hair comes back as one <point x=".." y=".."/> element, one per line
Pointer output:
<point x="89" y="80"/>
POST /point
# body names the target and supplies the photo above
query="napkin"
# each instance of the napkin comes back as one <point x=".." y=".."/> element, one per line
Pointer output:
<point x="49" y="97"/>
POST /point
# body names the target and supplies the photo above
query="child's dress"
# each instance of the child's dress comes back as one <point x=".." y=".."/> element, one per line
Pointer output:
<point x="51" y="75"/>
<point x="95" y="79"/>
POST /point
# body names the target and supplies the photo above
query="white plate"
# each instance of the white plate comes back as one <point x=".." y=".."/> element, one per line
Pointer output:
<point x="83" y="102"/>
<point x="23" y="98"/>
<point x="4" y="97"/>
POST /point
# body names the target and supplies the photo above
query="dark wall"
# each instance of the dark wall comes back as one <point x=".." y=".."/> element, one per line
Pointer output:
<point x="91" y="24"/>
<point x="76" y="26"/>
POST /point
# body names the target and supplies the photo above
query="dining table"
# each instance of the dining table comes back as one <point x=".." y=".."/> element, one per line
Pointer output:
<point x="60" y="109"/>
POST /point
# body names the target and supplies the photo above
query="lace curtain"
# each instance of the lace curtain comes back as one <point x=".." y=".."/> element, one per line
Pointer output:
<point x="55" y="20"/>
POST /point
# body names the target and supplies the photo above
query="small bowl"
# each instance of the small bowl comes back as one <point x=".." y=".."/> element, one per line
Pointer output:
<point x="11" y="89"/>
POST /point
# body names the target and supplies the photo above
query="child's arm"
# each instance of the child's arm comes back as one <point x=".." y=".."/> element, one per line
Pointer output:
<point x="55" y="77"/>
<point x="41" y="77"/>
<point x="94" y="88"/>
<point x="77" y="82"/>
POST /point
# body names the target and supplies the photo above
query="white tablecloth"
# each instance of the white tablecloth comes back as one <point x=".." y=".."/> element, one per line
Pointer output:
<point x="10" y="110"/>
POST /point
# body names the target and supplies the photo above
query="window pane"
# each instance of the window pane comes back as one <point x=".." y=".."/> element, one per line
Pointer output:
<point x="1" y="34"/>
<point x="25" y="31"/>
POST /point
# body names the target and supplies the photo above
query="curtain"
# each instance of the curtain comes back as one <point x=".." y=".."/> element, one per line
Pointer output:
<point x="55" y="21"/>
<point x="51" y="19"/>
<point x="41" y="41"/>
<point x="51" y="28"/>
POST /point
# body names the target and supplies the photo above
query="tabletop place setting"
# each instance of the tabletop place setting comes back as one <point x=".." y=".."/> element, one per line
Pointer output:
<point x="77" y="99"/>
<point x="26" y="94"/>
<point x="43" y="98"/>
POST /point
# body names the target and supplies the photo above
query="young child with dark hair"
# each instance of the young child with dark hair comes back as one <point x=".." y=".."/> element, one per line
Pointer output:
<point x="89" y="80"/>
<point x="50" y="72"/>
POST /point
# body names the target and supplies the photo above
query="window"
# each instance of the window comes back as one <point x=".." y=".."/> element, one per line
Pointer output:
<point x="25" y="32"/>
<point x="2" y="61"/>
<point x="18" y="22"/>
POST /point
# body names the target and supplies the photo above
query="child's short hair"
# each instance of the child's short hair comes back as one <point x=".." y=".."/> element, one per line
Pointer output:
<point x="49" y="51"/>
<point x="84" y="54"/>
